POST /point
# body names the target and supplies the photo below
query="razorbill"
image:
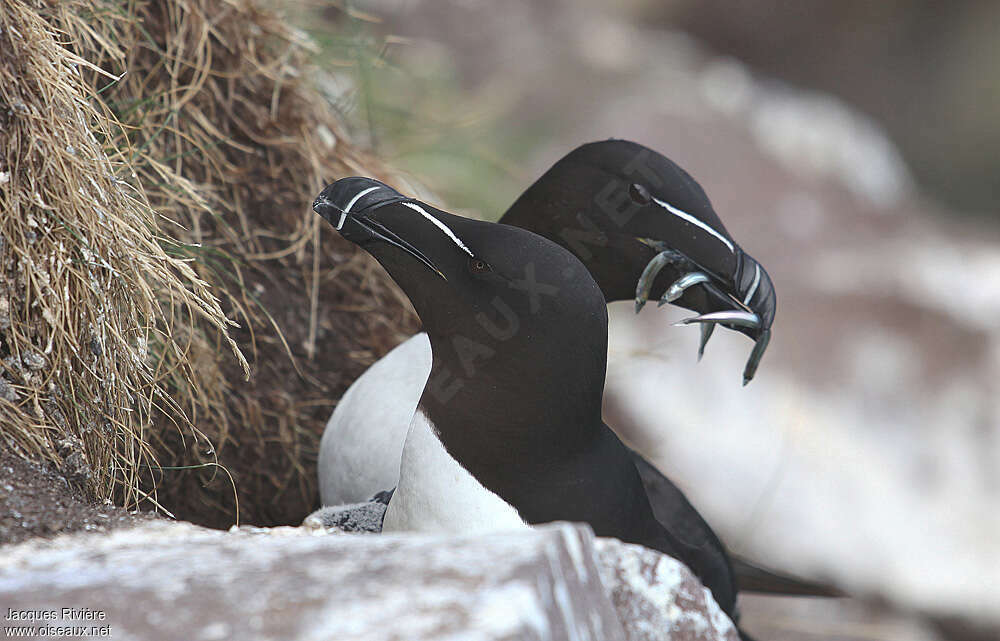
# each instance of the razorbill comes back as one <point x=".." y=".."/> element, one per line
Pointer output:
<point x="643" y="227"/>
<point x="508" y="428"/>
<point x="363" y="442"/>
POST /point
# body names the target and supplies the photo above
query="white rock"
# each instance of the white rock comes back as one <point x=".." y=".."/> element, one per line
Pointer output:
<point x="166" y="580"/>
<point x="657" y="597"/>
<point x="177" y="581"/>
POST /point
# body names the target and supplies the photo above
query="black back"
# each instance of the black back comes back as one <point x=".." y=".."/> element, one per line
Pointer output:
<point x="518" y="332"/>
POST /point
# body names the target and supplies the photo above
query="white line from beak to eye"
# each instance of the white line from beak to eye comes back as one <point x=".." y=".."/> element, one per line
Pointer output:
<point x="440" y="225"/>
<point x="357" y="197"/>
<point x="694" y="221"/>
<point x="753" y="287"/>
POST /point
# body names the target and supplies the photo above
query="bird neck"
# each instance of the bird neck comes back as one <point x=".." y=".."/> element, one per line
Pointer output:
<point x="510" y="407"/>
<point x="614" y="259"/>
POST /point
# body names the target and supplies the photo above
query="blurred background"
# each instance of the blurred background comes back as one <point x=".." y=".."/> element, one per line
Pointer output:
<point x="851" y="148"/>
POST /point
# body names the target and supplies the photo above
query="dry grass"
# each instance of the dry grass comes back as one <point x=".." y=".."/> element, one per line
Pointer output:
<point x="217" y="127"/>
<point x="89" y="298"/>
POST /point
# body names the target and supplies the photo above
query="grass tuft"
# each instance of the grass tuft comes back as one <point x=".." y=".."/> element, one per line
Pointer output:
<point x="159" y="160"/>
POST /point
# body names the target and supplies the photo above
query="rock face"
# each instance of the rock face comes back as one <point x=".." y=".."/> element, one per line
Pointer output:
<point x="177" y="581"/>
<point x="658" y="598"/>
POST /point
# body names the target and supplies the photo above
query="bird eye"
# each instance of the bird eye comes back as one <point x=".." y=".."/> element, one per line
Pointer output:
<point x="639" y="194"/>
<point x="479" y="266"/>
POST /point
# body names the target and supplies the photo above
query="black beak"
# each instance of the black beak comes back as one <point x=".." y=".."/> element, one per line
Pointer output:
<point x="744" y="302"/>
<point x="345" y="205"/>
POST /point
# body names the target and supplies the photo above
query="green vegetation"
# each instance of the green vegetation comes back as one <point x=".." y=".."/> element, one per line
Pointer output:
<point x="417" y="117"/>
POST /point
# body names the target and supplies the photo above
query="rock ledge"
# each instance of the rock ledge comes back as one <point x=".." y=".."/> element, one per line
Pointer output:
<point x="174" y="580"/>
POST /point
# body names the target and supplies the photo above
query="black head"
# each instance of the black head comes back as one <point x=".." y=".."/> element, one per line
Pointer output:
<point x="618" y="205"/>
<point x="509" y="314"/>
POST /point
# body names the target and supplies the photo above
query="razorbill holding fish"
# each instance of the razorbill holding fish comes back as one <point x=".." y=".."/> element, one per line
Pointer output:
<point x="621" y="193"/>
<point x="645" y="230"/>
<point x="508" y="428"/>
<point x="363" y="442"/>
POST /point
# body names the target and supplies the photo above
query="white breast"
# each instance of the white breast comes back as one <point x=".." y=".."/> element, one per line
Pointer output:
<point x="436" y="494"/>
<point x="360" y="451"/>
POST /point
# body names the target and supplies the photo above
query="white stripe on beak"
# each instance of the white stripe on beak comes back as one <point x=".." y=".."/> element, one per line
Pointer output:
<point x="440" y="225"/>
<point x="694" y="221"/>
<point x="357" y="197"/>
<point x="753" y="287"/>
